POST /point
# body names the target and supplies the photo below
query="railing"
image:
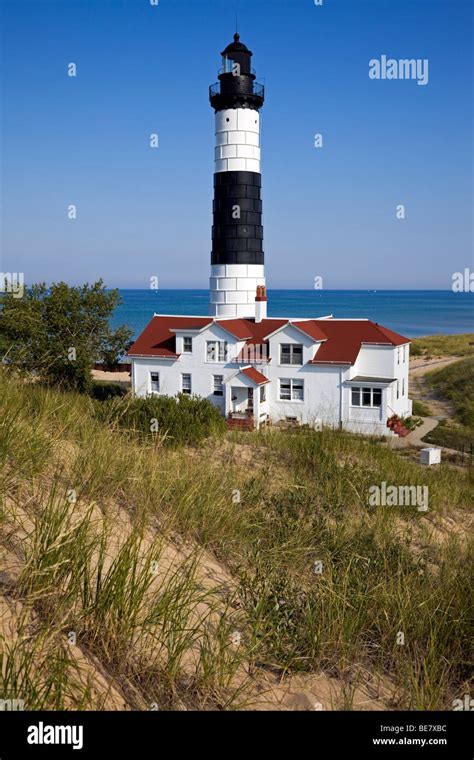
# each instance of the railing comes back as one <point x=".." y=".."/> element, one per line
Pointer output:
<point x="258" y="90"/>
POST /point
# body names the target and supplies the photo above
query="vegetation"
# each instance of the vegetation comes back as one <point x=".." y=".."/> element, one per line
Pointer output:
<point x="421" y="409"/>
<point x="452" y="437"/>
<point x="456" y="383"/>
<point x="57" y="333"/>
<point x="443" y="345"/>
<point x="102" y="390"/>
<point x="129" y="567"/>
<point x="173" y="421"/>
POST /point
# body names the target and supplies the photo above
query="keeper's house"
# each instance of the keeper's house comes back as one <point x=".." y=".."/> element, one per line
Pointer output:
<point x="349" y="373"/>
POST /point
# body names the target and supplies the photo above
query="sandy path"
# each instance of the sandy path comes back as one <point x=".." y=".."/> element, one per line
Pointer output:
<point x="113" y="377"/>
<point x="419" y="367"/>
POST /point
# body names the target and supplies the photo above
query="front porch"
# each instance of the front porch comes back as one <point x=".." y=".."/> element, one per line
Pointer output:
<point x="246" y="400"/>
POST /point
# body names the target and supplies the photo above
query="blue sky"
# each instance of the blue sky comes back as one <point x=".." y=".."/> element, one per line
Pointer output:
<point x="328" y="212"/>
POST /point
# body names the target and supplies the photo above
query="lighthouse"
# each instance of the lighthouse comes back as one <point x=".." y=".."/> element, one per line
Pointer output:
<point x="340" y="373"/>
<point x="237" y="259"/>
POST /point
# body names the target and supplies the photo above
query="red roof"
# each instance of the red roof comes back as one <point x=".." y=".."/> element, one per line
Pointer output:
<point x="237" y="327"/>
<point x="341" y="339"/>
<point x="254" y="375"/>
<point x="345" y="338"/>
<point x="157" y="339"/>
<point x="249" y="330"/>
<point x="311" y="328"/>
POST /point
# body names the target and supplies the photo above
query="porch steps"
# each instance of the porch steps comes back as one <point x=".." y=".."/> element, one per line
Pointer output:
<point x="240" y="424"/>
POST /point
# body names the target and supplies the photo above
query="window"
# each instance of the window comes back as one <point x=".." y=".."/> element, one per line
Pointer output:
<point x="291" y="353"/>
<point x="398" y="388"/>
<point x="297" y="390"/>
<point x="216" y="351"/>
<point x="398" y="355"/>
<point x="376" y="396"/>
<point x="187" y="344"/>
<point x="186" y="384"/>
<point x="404" y="354"/>
<point x="366" y="396"/>
<point x="263" y="393"/>
<point x="155" y="382"/>
<point x="218" y="385"/>
<point x="285" y="390"/>
<point x="403" y="386"/>
<point x="291" y="390"/>
<point x="227" y="64"/>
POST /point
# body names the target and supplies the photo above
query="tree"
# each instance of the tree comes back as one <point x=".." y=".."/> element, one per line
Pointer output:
<point x="57" y="333"/>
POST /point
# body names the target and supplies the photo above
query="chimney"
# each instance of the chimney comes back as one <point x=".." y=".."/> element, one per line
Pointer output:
<point x="261" y="303"/>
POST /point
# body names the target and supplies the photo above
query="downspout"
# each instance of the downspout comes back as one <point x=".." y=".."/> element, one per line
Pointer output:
<point x="341" y="404"/>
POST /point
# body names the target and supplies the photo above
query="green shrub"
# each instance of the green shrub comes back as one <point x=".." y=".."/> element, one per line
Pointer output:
<point x="411" y="423"/>
<point x="103" y="390"/>
<point x="415" y="350"/>
<point x="420" y="409"/>
<point x="451" y="436"/>
<point x="181" y="420"/>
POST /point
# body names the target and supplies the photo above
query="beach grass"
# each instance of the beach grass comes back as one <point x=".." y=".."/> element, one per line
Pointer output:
<point x="184" y="574"/>
<point x="443" y="345"/>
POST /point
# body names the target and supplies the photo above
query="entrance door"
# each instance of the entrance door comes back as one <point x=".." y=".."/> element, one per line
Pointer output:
<point x="250" y="400"/>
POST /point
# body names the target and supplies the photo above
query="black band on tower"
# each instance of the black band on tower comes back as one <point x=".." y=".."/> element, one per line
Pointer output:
<point x="237" y="232"/>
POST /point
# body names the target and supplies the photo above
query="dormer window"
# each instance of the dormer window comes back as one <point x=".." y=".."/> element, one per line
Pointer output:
<point x="187" y="344"/>
<point x="291" y="353"/>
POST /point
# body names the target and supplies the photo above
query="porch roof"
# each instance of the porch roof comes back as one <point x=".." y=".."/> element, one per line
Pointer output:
<point x="366" y="379"/>
<point x="252" y="374"/>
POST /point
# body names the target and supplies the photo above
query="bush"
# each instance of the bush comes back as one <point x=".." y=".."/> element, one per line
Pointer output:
<point x="102" y="390"/>
<point x="420" y="409"/>
<point x="415" y="350"/>
<point x="182" y="420"/>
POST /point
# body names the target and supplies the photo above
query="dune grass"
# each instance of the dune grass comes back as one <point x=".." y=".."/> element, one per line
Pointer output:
<point x="443" y="345"/>
<point x="315" y="578"/>
<point x="456" y="383"/>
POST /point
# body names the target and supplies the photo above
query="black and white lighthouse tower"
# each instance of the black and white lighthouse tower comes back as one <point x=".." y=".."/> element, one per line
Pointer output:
<point x="237" y="265"/>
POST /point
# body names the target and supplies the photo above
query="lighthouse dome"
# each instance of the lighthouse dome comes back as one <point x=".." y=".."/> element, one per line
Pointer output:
<point x="236" y="46"/>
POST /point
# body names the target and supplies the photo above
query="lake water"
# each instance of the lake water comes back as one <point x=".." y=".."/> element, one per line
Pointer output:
<point x="409" y="312"/>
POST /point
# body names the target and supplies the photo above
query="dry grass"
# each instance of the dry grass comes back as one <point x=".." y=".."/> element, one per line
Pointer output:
<point x="155" y="560"/>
